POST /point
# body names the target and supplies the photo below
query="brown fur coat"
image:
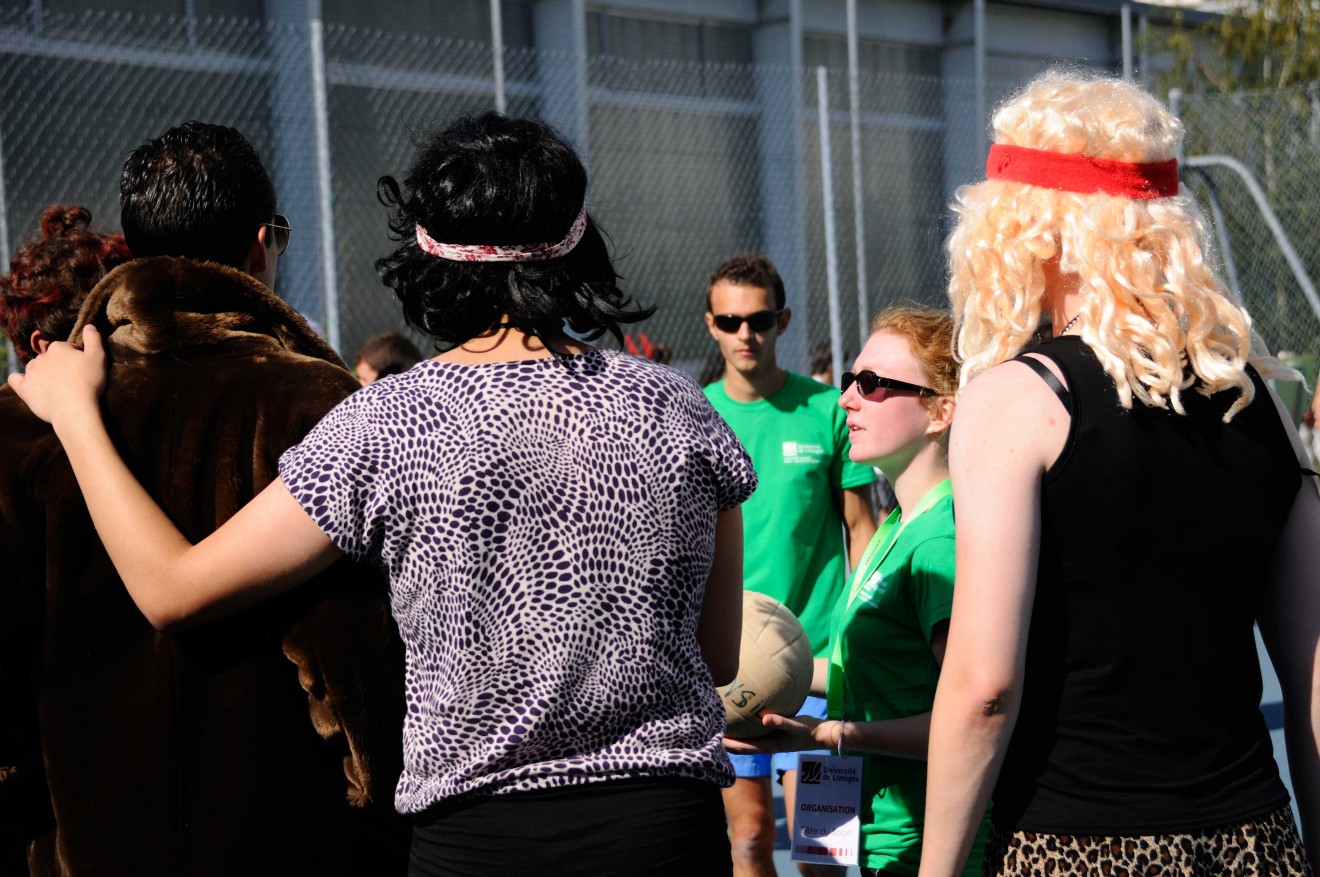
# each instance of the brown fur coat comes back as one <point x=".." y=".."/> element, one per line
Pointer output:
<point x="190" y="753"/>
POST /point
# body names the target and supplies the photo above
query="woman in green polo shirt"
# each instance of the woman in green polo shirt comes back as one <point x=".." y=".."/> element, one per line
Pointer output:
<point x="890" y="624"/>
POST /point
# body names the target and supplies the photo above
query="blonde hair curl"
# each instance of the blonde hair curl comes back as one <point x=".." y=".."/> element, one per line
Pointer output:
<point x="1153" y="308"/>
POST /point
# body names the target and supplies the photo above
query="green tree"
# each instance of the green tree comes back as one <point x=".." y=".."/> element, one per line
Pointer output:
<point x="1251" y="80"/>
<point x="1264" y="44"/>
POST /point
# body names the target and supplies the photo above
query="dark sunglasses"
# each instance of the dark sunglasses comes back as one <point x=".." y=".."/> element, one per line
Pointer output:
<point x="281" y="231"/>
<point x="868" y="382"/>
<point x="761" y="321"/>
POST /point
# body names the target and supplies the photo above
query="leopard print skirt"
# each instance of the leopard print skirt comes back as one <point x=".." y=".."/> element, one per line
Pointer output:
<point x="1268" y="845"/>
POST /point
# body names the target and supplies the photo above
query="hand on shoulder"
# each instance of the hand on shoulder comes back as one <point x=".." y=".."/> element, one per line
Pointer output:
<point x="63" y="385"/>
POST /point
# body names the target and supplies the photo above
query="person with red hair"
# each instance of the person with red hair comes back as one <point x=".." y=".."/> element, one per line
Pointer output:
<point x="51" y="275"/>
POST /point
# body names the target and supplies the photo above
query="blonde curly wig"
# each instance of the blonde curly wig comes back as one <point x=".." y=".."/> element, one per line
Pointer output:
<point x="1153" y="309"/>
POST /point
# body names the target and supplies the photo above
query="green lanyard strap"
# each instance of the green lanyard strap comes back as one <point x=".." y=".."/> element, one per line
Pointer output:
<point x="846" y="607"/>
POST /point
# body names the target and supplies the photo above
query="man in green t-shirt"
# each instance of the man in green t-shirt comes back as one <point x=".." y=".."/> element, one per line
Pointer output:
<point x="797" y="549"/>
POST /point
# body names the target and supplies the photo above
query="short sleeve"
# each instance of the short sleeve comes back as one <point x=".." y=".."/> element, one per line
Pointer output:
<point x="335" y="474"/>
<point x="728" y="461"/>
<point x="932" y="582"/>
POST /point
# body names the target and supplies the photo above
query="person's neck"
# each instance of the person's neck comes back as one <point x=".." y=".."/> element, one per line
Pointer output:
<point x="509" y="345"/>
<point x="754" y="386"/>
<point x="928" y="468"/>
<point x="1064" y="298"/>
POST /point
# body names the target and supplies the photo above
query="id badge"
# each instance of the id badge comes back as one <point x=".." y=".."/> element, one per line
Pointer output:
<point x="826" y="825"/>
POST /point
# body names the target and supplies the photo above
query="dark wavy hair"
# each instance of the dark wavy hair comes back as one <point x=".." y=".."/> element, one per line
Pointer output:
<point x="199" y="191"/>
<point x="494" y="180"/>
<point x="51" y="275"/>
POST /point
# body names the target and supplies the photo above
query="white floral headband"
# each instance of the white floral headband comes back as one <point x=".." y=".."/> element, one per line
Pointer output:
<point x="513" y="253"/>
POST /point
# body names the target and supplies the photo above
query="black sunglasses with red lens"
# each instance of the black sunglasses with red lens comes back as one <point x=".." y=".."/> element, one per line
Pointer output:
<point x="761" y="321"/>
<point x="868" y="382"/>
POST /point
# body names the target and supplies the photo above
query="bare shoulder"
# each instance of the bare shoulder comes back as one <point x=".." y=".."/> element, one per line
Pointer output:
<point x="1012" y="386"/>
<point x="1009" y="410"/>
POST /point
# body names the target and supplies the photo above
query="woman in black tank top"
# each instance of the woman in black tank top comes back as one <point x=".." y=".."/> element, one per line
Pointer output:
<point x="1128" y="507"/>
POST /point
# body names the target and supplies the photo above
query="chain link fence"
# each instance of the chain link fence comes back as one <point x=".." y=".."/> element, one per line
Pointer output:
<point x="1272" y="143"/>
<point x="690" y="162"/>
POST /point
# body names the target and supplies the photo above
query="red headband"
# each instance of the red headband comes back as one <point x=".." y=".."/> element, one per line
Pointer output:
<point x="1081" y="173"/>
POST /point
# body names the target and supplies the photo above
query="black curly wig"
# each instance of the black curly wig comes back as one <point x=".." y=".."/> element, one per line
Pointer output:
<point x="493" y="180"/>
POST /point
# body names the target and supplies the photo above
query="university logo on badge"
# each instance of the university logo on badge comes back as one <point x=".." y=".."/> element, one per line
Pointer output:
<point x="809" y="772"/>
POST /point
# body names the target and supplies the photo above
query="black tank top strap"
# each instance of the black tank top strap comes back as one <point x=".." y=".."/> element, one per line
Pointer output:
<point x="1051" y="380"/>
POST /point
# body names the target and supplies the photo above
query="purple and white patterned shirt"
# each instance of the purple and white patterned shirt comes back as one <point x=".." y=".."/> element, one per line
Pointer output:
<point x="548" y="527"/>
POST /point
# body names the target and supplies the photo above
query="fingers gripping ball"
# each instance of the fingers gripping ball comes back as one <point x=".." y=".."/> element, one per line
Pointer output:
<point x="774" y="667"/>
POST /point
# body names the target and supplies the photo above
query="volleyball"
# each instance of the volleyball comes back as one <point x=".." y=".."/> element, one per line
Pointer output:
<point x="774" y="667"/>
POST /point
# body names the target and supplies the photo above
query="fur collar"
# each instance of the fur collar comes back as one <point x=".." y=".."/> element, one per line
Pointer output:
<point x="163" y="306"/>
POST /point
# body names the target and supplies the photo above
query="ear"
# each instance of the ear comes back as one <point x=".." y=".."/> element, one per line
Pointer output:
<point x="783" y="320"/>
<point x="257" y="251"/>
<point x="942" y="417"/>
<point x="38" y="343"/>
<point x="710" y="326"/>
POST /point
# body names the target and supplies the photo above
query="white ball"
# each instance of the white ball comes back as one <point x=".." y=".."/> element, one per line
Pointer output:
<point x="774" y="667"/>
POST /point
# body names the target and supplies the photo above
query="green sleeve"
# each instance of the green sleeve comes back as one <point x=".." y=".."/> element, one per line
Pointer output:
<point x="932" y="582"/>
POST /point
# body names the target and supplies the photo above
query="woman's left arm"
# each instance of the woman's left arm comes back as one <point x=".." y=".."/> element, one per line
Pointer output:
<point x="1009" y="424"/>
<point x="719" y="631"/>
<point x="269" y="546"/>
<point x="1290" y="626"/>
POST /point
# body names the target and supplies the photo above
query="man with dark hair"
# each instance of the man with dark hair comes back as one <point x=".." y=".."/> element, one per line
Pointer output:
<point x="809" y="516"/>
<point x="172" y="201"/>
<point x="193" y="752"/>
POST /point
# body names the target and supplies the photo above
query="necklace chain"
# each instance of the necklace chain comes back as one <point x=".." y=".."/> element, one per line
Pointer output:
<point x="1070" y="324"/>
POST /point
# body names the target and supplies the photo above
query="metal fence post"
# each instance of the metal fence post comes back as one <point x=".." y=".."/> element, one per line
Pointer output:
<point x="1175" y="107"/>
<point x="978" y="36"/>
<point x="11" y="358"/>
<point x="827" y="191"/>
<point x="859" y="197"/>
<point x="300" y="159"/>
<point x="324" y="183"/>
<point x="1126" y="21"/>
<point x="497" y="53"/>
<point x="561" y="30"/>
